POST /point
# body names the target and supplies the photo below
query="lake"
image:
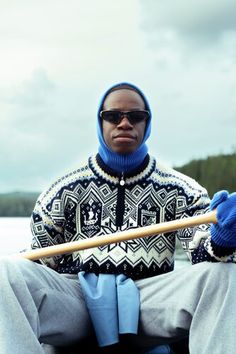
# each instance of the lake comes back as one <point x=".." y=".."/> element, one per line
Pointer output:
<point x="15" y="235"/>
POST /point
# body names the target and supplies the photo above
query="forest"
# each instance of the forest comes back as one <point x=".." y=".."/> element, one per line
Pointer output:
<point x="17" y="203"/>
<point x="214" y="173"/>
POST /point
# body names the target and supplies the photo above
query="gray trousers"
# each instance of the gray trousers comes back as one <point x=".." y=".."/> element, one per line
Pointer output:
<point x="38" y="305"/>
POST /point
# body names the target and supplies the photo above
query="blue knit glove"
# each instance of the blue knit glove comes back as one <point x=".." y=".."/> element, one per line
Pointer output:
<point x="224" y="232"/>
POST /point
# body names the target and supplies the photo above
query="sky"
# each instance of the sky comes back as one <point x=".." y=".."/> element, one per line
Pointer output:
<point x="58" y="57"/>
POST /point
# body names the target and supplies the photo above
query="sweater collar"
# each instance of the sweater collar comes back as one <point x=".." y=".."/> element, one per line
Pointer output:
<point x="104" y="171"/>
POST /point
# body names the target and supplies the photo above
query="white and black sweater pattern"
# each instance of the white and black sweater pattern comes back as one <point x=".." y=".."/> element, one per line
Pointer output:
<point x="93" y="201"/>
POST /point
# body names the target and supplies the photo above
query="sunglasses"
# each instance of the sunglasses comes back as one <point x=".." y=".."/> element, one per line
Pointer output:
<point x="115" y="117"/>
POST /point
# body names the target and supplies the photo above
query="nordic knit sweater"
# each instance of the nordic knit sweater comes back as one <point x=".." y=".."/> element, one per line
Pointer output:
<point x="93" y="200"/>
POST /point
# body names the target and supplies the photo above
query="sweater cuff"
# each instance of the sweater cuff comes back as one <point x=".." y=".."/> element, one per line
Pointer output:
<point x="223" y="237"/>
<point x="221" y="251"/>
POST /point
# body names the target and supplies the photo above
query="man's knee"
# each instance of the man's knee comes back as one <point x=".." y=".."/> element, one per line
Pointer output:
<point x="219" y="274"/>
<point x="8" y="263"/>
<point x="15" y="270"/>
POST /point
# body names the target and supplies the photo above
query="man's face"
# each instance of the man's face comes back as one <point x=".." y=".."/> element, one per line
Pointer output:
<point x="123" y="137"/>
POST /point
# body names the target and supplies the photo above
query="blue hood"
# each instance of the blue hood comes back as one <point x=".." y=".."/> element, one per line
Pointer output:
<point x="121" y="162"/>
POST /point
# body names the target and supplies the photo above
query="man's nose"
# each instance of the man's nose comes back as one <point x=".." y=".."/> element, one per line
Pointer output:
<point x="125" y="121"/>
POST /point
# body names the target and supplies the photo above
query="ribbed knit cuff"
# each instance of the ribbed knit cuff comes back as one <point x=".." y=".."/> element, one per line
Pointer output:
<point x="222" y="237"/>
<point x="221" y="251"/>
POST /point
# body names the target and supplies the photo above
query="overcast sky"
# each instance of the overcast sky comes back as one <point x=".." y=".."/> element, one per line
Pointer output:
<point x="57" y="57"/>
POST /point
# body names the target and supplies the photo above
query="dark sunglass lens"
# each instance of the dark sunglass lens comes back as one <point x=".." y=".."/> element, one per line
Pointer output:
<point x="111" y="117"/>
<point x="137" y="116"/>
<point x="115" y="117"/>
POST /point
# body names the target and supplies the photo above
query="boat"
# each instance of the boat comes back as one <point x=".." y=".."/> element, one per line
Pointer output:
<point x="180" y="347"/>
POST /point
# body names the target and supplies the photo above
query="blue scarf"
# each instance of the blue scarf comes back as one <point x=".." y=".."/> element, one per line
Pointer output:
<point x="113" y="305"/>
<point x="120" y="162"/>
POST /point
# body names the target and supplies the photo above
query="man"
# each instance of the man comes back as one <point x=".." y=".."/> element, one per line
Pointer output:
<point x="121" y="188"/>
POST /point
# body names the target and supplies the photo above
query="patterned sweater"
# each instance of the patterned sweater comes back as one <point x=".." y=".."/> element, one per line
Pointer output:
<point x="93" y="201"/>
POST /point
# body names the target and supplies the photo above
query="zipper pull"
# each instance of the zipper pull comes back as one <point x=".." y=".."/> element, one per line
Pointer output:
<point x="122" y="179"/>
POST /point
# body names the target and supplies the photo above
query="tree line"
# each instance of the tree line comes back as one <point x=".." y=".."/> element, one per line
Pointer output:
<point x="214" y="173"/>
<point x="17" y="203"/>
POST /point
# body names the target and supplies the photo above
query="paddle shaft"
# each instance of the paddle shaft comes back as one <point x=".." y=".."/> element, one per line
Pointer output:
<point x="131" y="234"/>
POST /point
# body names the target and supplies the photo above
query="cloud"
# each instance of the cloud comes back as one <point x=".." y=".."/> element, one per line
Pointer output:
<point x="34" y="91"/>
<point x="42" y="130"/>
<point x="59" y="57"/>
<point x="193" y="46"/>
<point x="203" y="20"/>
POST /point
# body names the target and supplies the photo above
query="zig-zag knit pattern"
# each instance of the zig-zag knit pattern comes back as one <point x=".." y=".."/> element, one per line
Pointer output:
<point x="91" y="202"/>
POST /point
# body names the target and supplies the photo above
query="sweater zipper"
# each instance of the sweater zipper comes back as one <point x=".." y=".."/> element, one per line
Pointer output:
<point x="122" y="179"/>
<point x="120" y="206"/>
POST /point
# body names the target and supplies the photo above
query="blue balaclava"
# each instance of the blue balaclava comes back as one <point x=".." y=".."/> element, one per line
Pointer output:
<point x="123" y="162"/>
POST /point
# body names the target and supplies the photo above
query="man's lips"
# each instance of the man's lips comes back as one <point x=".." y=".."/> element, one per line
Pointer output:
<point x="124" y="137"/>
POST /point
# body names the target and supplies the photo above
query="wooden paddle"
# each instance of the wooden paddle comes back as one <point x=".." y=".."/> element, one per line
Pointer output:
<point x="131" y="234"/>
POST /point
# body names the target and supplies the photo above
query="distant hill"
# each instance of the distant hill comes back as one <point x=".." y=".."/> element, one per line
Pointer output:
<point x="214" y="173"/>
<point x="17" y="203"/>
